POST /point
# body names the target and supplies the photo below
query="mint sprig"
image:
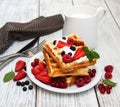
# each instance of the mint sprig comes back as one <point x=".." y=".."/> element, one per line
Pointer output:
<point x="109" y="82"/>
<point x="8" y="76"/>
<point x="91" y="54"/>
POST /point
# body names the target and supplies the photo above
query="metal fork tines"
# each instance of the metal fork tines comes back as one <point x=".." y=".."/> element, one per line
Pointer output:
<point x="26" y="53"/>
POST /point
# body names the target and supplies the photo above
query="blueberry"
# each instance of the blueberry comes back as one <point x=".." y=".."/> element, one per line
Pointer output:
<point x="18" y="83"/>
<point x="27" y="82"/>
<point x="30" y="87"/>
<point x="24" y="89"/>
<point x="72" y="48"/>
<point x="25" y="68"/>
<point x="22" y="83"/>
<point x="70" y="53"/>
<point x="62" y="53"/>
<point x="54" y="42"/>
<point x="64" y="38"/>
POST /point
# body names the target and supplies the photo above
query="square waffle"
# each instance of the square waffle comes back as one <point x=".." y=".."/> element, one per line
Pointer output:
<point x="54" y="71"/>
<point x="57" y="47"/>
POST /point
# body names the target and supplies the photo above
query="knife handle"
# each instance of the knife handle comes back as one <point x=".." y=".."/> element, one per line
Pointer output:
<point x="6" y="62"/>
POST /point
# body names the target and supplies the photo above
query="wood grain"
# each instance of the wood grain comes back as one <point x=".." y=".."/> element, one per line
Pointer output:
<point x="16" y="11"/>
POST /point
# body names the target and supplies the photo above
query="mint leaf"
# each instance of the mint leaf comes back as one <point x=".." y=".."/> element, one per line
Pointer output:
<point x="109" y="82"/>
<point x="10" y="75"/>
<point x="91" y="54"/>
<point x="95" y="54"/>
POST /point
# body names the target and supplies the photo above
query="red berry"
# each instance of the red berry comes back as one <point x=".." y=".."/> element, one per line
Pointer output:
<point x="20" y="75"/>
<point x="70" y="41"/>
<point x="110" y="87"/>
<point x="36" y="60"/>
<point x="67" y="58"/>
<point x="91" y="73"/>
<point x="87" y="79"/>
<point x="20" y="65"/>
<point x="42" y="65"/>
<point x="80" y="82"/>
<point x="100" y="86"/>
<point x="94" y="70"/>
<point x="78" y="54"/>
<point x="63" y="85"/>
<point x="108" y="68"/>
<point x="33" y="64"/>
<point x="108" y="75"/>
<point x="102" y="91"/>
<point x="108" y="91"/>
<point x="35" y="70"/>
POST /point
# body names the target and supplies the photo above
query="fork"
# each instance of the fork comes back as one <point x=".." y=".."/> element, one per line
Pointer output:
<point x="27" y="53"/>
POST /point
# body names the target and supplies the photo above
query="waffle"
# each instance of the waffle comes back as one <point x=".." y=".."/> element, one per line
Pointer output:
<point x="55" y="71"/>
<point x="55" y="52"/>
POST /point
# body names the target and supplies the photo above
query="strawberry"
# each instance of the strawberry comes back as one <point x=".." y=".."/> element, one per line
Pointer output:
<point x="20" y="65"/>
<point x="78" y="54"/>
<point x="62" y="44"/>
<point x="20" y="75"/>
<point x="35" y="70"/>
<point x="43" y="77"/>
<point x="42" y="65"/>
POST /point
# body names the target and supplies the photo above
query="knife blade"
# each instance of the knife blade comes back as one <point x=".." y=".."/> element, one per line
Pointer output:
<point x="28" y="46"/>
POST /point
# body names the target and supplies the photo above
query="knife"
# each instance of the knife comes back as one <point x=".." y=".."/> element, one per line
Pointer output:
<point x="28" y="46"/>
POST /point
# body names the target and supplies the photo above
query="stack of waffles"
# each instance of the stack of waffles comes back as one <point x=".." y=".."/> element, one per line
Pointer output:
<point x="66" y="58"/>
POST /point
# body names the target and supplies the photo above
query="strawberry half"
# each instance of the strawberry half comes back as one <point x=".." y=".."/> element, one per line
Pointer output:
<point x="61" y="44"/>
<point x="42" y="65"/>
<point x="35" y="70"/>
<point x="20" y="75"/>
<point x="78" y="54"/>
<point x="20" y="65"/>
<point x="43" y="77"/>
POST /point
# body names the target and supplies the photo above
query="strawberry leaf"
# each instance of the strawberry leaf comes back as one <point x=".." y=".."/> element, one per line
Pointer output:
<point x="8" y="76"/>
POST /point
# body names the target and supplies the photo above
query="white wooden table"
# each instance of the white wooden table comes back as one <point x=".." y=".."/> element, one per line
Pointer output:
<point x="108" y="47"/>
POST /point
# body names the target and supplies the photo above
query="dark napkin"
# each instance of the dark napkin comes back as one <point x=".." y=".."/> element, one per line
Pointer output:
<point x="40" y="26"/>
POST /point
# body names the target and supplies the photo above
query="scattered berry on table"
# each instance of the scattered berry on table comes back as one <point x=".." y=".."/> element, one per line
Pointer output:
<point x="24" y="88"/>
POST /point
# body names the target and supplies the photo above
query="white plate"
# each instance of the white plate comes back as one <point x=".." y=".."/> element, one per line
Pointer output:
<point x="71" y="89"/>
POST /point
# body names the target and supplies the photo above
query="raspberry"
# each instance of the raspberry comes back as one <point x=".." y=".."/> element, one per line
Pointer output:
<point x="100" y="86"/>
<point x="108" y="75"/>
<point x="108" y="68"/>
<point x="87" y="79"/>
<point x="80" y="82"/>
<point x="67" y="58"/>
<point x="79" y="43"/>
<point x="70" y="41"/>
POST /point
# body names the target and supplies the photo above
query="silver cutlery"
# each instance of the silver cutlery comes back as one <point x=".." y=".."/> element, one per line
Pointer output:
<point x="28" y="53"/>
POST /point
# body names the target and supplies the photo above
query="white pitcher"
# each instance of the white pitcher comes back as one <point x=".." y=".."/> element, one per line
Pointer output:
<point x="84" y="20"/>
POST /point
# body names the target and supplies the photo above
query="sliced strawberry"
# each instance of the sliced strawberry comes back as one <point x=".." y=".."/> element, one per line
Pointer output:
<point x="78" y="54"/>
<point x="62" y="44"/>
<point x="20" y="75"/>
<point x="43" y="77"/>
<point x="42" y="65"/>
<point x="35" y="70"/>
<point x="20" y="65"/>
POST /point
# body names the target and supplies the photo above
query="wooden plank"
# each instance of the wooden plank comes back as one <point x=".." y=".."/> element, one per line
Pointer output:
<point x="47" y="98"/>
<point x="114" y="7"/>
<point x="108" y="47"/>
<point x="16" y="11"/>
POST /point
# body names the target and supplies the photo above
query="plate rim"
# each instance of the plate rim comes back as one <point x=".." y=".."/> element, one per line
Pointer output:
<point x="39" y="55"/>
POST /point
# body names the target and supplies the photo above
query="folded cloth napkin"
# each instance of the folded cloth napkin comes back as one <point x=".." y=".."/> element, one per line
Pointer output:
<point x="40" y="26"/>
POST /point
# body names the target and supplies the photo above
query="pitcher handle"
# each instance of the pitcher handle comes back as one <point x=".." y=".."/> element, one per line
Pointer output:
<point x="101" y="12"/>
